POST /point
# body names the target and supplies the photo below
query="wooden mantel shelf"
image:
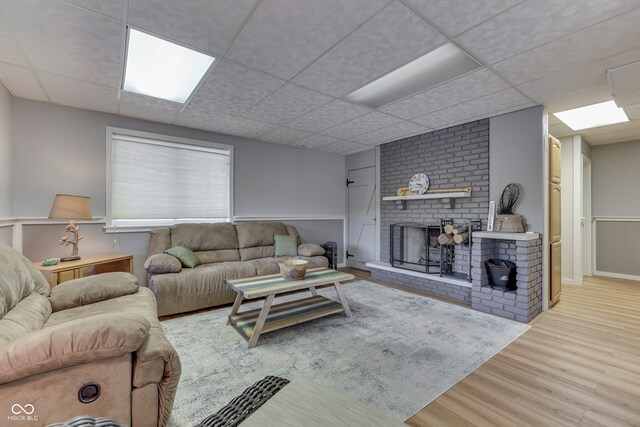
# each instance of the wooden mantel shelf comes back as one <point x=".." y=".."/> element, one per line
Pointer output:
<point x="452" y="196"/>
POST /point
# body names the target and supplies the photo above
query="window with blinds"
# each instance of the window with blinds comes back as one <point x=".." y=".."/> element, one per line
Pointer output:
<point x="157" y="181"/>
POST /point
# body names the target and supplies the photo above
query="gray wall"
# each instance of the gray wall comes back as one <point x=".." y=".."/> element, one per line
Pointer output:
<point x="567" y="204"/>
<point x="617" y="247"/>
<point x="6" y="180"/>
<point x="59" y="149"/>
<point x="6" y="235"/>
<point x="615" y="179"/>
<point x="516" y="152"/>
<point x="360" y="160"/>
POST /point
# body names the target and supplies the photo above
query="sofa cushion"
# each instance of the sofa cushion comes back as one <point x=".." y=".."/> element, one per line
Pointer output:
<point x="101" y="337"/>
<point x="159" y="240"/>
<point x="222" y="255"/>
<point x="285" y="245"/>
<point x="16" y="281"/>
<point x="254" y="234"/>
<point x="310" y="249"/>
<point x="267" y="265"/>
<point x="162" y="264"/>
<point x="185" y="255"/>
<point x="205" y="237"/>
<point x="29" y="315"/>
<point x="92" y="289"/>
<point x="248" y="254"/>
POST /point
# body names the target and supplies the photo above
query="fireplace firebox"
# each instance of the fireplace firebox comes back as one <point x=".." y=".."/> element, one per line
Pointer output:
<point x="415" y="247"/>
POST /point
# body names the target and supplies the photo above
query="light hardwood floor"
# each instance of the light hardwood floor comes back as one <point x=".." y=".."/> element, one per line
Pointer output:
<point x="579" y="364"/>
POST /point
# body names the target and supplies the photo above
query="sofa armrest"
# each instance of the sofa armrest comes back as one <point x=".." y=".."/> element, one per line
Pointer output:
<point x="66" y="344"/>
<point x="162" y="264"/>
<point x="92" y="289"/>
<point x="310" y="249"/>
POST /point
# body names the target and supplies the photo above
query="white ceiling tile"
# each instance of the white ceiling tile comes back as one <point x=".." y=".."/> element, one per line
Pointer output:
<point x="622" y="132"/>
<point x="317" y="140"/>
<point x="21" y="82"/>
<point x="9" y="49"/>
<point x="633" y="112"/>
<point x="458" y="16"/>
<point x="209" y="25"/>
<point x="622" y="58"/>
<point x="360" y="125"/>
<point x="224" y="123"/>
<point x="578" y="98"/>
<point x="342" y="147"/>
<point x="148" y="107"/>
<point x="116" y="9"/>
<point x="535" y="22"/>
<point x="391" y="133"/>
<point x="485" y="106"/>
<point x="284" y="135"/>
<point x="327" y="116"/>
<point x="462" y="89"/>
<point x="560" y="130"/>
<point x="358" y="150"/>
<point x="566" y="81"/>
<point x="63" y="39"/>
<point x="599" y="41"/>
<point x="286" y="103"/>
<point x="393" y="37"/>
<point x="79" y="94"/>
<point x="233" y="88"/>
<point x="284" y="36"/>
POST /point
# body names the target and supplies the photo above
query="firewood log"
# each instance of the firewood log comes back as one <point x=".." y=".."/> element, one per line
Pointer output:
<point x="445" y="239"/>
<point x="460" y="238"/>
<point x="460" y="229"/>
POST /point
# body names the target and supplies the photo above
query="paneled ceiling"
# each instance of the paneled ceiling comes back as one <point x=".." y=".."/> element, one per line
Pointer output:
<point x="284" y="66"/>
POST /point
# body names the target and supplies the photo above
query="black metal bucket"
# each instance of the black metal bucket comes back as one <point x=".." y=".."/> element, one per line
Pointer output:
<point x="501" y="274"/>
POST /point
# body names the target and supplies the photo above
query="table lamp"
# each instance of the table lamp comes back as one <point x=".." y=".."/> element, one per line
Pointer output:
<point x="71" y="207"/>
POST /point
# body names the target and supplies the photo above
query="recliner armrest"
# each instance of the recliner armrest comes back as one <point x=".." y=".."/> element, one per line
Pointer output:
<point x="99" y="337"/>
<point x="92" y="289"/>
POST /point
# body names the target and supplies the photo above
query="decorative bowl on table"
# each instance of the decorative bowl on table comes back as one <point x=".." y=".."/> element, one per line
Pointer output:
<point x="293" y="269"/>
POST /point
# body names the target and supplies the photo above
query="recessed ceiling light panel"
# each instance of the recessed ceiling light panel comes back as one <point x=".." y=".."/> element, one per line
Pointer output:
<point x="162" y="69"/>
<point x="436" y="67"/>
<point x="591" y="116"/>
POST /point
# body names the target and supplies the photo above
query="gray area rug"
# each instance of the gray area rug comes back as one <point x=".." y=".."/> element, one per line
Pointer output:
<point x="397" y="353"/>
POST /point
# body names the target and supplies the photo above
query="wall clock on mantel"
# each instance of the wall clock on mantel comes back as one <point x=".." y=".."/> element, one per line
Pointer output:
<point x="419" y="184"/>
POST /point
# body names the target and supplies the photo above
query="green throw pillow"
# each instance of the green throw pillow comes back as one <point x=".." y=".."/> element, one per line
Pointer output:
<point x="185" y="255"/>
<point x="286" y="245"/>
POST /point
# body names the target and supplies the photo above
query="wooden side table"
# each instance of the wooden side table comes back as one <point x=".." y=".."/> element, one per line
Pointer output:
<point x="86" y="266"/>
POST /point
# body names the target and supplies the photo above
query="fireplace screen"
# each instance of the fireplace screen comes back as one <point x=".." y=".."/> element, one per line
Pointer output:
<point x="415" y="247"/>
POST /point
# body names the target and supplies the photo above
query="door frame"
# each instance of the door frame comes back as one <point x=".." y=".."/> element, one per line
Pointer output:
<point x="585" y="209"/>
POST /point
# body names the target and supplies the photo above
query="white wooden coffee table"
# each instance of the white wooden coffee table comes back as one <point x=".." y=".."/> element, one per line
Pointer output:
<point x="252" y="323"/>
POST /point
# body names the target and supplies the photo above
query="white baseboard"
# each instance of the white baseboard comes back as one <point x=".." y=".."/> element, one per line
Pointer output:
<point x="616" y="275"/>
<point x="342" y="265"/>
<point x="566" y="281"/>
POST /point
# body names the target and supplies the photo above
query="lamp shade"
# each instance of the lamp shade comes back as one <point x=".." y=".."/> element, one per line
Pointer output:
<point x="69" y="206"/>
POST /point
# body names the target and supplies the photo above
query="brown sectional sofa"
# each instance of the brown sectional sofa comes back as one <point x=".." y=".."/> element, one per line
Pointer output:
<point x="101" y="329"/>
<point x="225" y="250"/>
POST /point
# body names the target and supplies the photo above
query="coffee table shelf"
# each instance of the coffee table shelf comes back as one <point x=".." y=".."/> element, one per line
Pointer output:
<point x="286" y="314"/>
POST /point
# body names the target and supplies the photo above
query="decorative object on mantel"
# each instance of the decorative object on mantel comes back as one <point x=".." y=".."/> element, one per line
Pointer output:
<point x="72" y="208"/>
<point x="403" y="191"/>
<point x="492" y="215"/>
<point x="419" y="184"/>
<point x="506" y="220"/>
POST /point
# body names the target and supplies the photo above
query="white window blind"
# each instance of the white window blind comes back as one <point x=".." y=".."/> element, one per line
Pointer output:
<point x="159" y="182"/>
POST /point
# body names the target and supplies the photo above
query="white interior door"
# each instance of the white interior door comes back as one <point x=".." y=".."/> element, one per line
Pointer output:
<point x="362" y="217"/>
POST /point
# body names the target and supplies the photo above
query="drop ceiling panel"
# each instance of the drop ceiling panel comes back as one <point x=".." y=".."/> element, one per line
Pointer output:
<point x="21" y="82"/>
<point x="566" y="81"/>
<point x="327" y="116"/>
<point x="116" y="9"/>
<point x="287" y="103"/>
<point x="392" y="38"/>
<point x="233" y="88"/>
<point x="209" y="25"/>
<point x="284" y="36"/>
<point x="148" y="108"/>
<point x="458" y="16"/>
<point x="462" y="89"/>
<point x="622" y="132"/>
<point x="9" y="49"/>
<point x="391" y="133"/>
<point x="578" y="98"/>
<point x="485" y="106"/>
<point x="358" y="150"/>
<point x="362" y="124"/>
<point x="66" y="40"/>
<point x="342" y="147"/>
<point x="284" y="135"/>
<point x="79" y="94"/>
<point x="597" y="42"/>
<point x="317" y="140"/>
<point x="538" y="22"/>
<point x="224" y="123"/>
